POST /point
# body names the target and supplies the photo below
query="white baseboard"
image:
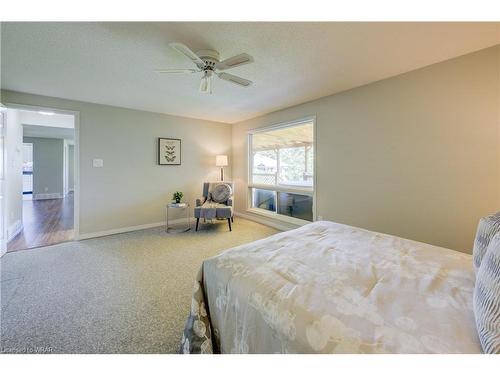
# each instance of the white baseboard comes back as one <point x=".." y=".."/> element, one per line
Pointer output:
<point x="37" y="197"/>
<point x="14" y="230"/>
<point x="85" y="236"/>
<point x="269" y="222"/>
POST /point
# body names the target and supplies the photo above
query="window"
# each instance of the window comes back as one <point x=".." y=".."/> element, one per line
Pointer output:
<point x="281" y="170"/>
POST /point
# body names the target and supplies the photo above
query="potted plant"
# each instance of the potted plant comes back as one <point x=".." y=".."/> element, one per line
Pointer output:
<point x="178" y="196"/>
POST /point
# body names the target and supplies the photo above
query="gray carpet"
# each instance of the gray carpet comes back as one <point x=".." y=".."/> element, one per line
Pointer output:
<point x="126" y="293"/>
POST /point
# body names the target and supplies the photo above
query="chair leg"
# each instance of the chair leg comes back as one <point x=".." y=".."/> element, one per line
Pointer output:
<point x="197" y="222"/>
<point x="232" y="219"/>
<point x="229" y="222"/>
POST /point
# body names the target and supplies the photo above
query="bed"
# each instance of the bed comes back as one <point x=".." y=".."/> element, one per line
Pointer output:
<point x="333" y="288"/>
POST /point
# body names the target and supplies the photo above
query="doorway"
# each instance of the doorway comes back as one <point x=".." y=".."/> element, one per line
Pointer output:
<point x="42" y="172"/>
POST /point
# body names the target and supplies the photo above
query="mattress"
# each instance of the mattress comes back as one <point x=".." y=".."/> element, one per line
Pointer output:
<point x="333" y="288"/>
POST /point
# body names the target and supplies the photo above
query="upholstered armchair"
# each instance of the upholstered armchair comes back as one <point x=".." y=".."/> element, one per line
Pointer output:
<point x="216" y="202"/>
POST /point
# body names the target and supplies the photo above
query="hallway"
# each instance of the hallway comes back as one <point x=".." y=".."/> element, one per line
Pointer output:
<point x="46" y="222"/>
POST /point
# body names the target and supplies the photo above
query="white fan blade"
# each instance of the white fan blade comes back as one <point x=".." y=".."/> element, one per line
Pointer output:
<point x="235" y="79"/>
<point x="179" y="47"/>
<point x="234" y="61"/>
<point x="177" y="71"/>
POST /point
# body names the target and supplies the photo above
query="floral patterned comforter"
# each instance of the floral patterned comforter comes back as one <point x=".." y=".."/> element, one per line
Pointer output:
<point x="332" y="288"/>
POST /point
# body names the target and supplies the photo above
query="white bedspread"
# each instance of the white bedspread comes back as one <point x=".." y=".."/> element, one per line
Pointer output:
<point x="332" y="288"/>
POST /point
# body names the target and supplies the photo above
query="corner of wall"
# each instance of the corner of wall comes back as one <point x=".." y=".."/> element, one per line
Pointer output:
<point x="498" y="121"/>
<point x="231" y="156"/>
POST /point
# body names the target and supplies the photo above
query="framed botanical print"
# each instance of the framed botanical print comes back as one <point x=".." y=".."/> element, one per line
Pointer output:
<point x="169" y="151"/>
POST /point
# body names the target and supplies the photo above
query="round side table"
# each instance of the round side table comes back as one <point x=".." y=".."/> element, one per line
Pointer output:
<point x="177" y="206"/>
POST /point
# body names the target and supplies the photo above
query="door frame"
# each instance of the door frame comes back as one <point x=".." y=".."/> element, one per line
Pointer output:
<point x="65" y="167"/>
<point x="3" y="211"/>
<point x="76" y="116"/>
<point x="32" y="174"/>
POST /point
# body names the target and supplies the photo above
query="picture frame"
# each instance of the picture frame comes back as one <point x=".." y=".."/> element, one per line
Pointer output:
<point x="169" y="151"/>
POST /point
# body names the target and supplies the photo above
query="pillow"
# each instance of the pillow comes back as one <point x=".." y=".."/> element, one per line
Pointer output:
<point x="488" y="226"/>
<point x="487" y="298"/>
<point x="221" y="193"/>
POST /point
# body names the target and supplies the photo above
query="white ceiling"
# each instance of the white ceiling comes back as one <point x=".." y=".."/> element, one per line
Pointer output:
<point x="113" y="63"/>
<point x="46" y="118"/>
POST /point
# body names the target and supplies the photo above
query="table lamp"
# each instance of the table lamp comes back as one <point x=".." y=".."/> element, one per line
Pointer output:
<point x="221" y="161"/>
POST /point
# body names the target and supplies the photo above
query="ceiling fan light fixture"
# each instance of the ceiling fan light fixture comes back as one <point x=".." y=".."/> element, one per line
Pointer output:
<point x="206" y="82"/>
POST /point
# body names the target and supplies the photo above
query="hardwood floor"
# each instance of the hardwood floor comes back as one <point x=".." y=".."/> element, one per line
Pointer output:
<point x="46" y="222"/>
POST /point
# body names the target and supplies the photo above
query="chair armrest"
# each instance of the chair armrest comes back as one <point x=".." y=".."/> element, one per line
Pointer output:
<point x="230" y="202"/>
<point x="200" y="201"/>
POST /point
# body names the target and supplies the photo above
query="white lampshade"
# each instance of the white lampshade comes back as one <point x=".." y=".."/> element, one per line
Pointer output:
<point x="221" y="161"/>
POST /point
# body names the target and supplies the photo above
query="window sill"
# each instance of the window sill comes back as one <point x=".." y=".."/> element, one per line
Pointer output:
<point x="309" y="191"/>
<point x="278" y="217"/>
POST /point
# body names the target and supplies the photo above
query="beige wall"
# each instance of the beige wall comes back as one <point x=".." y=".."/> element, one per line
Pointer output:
<point x="132" y="189"/>
<point x="13" y="172"/>
<point x="415" y="155"/>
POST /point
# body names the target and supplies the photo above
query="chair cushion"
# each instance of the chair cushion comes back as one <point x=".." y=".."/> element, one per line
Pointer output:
<point x="488" y="226"/>
<point x="212" y="210"/>
<point x="221" y="193"/>
<point x="487" y="298"/>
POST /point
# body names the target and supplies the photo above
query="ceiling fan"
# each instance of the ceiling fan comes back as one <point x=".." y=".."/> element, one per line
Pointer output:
<point x="207" y="62"/>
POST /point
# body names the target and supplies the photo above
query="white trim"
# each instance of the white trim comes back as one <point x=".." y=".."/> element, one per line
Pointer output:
<point x="3" y="201"/>
<point x="76" y="176"/>
<point x="273" y="223"/>
<point x="134" y="228"/>
<point x="14" y="230"/>
<point x="280" y="217"/>
<point x="284" y="124"/>
<point x="37" y="197"/>
<point x="66" y="166"/>
<point x="76" y="171"/>
<point x="315" y="177"/>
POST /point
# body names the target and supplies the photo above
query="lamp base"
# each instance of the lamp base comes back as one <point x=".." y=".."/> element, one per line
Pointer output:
<point x="222" y="174"/>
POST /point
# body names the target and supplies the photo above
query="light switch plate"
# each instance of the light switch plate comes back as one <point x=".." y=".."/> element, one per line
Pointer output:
<point x="97" y="163"/>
